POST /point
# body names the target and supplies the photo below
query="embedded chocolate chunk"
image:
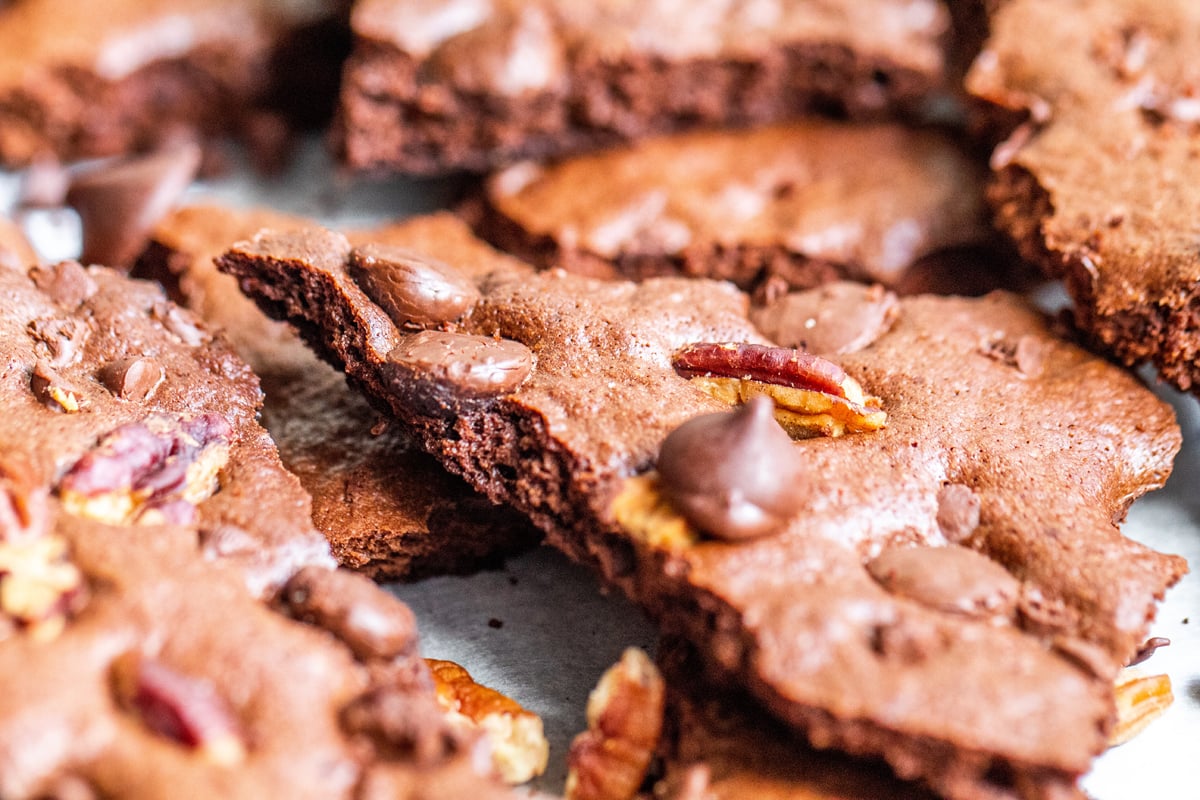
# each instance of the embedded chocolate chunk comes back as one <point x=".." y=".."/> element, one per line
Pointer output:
<point x="53" y="390"/>
<point x="835" y="319"/>
<point x="475" y="365"/>
<point x="133" y="378"/>
<point x="957" y="512"/>
<point x="735" y="475"/>
<point x="67" y="282"/>
<point x="949" y="578"/>
<point x="372" y="623"/>
<point x="412" y="289"/>
<point x="120" y="202"/>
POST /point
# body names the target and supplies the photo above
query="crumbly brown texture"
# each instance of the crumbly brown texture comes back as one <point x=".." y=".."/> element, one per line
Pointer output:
<point x="131" y="409"/>
<point x="432" y="87"/>
<point x="117" y="76"/>
<point x="385" y="506"/>
<point x="805" y="203"/>
<point x="1097" y="182"/>
<point x="169" y="674"/>
<point x="1050" y="442"/>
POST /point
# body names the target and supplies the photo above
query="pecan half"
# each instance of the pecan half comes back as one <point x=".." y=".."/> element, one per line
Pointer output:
<point x="37" y="584"/>
<point x="1141" y="699"/>
<point x="182" y="708"/>
<point x="149" y="472"/>
<point x="520" y="750"/>
<point x="609" y="760"/>
<point x="813" y="396"/>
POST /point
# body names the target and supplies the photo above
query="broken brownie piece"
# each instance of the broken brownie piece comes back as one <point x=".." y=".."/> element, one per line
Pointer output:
<point x="952" y="593"/>
<point x="468" y="85"/>
<point x="110" y="77"/>
<point x="803" y="203"/>
<point x="385" y="506"/>
<point x="136" y="414"/>
<point x="1096" y="182"/>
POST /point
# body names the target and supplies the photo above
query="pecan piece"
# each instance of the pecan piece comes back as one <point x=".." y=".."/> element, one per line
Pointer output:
<point x="644" y="511"/>
<point x="37" y="584"/>
<point x="148" y="472"/>
<point x="1141" y="699"/>
<point x="609" y="760"/>
<point x="182" y="708"/>
<point x="813" y="396"/>
<point x="520" y="750"/>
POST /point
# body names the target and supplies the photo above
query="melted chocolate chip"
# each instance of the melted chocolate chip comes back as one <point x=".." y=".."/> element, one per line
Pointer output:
<point x="119" y="202"/>
<point x="133" y="378"/>
<point x="957" y="512"/>
<point x="835" y="319"/>
<point x="949" y="578"/>
<point x="735" y="475"/>
<point x="413" y="290"/>
<point x="478" y="365"/>
<point x="1148" y="649"/>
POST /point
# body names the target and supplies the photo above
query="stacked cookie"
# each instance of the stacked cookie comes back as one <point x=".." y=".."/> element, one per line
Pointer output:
<point x="736" y="362"/>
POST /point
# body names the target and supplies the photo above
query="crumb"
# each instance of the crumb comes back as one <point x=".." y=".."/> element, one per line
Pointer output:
<point x="495" y="623"/>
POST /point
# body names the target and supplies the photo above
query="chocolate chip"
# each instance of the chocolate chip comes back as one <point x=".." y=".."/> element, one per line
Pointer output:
<point x="835" y="319"/>
<point x="478" y="365"/>
<point x="59" y="341"/>
<point x="53" y="390"/>
<point x="957" y="512"/>
<point x="1148" y="649"/>
<point x="120" y="202"/>
<point x="951" y="578"/>
<point x="371" y="622"/>
<point x="412" y="289"/>
<point x="134" y="379"/>
<point x="734" y="475"/>
<point x="67" y="283"/>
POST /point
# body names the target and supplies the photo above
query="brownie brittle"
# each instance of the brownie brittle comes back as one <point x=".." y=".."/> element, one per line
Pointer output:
<point x="435" y="87"/>
<point x="952" y="593"/>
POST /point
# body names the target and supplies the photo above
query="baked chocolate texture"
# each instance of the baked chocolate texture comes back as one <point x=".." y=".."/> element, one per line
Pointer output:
<point x="1107" y="207"/>
<point x="554" y="393"/>
<point x="434" y="87"/>
<point x="118" y="76"/>
<point x="134" y="412"/>
<point x="801" y="203"/>
<point x="385" y="506"/>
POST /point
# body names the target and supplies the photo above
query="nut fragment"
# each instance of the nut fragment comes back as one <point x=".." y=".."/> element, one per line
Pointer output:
<point x="148" y="472"/>
<point x="37" y="584"/>
<point x="413" y="289"/>
<point x="813" y="396"/>
<point x="1141" y="699"/>
<point x="646" y="514"/>
<point x="520" y="750"/>
<point x="53" y="390"/>
<point x="135" y="379"/>
<point x="609" y="760"/>
<point x="182" y="708"/>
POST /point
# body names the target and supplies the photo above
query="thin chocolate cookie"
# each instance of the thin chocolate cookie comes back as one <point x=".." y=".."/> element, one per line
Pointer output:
<point x="804" y="203"/>
<point x="469" y="85"/>
<point x="945" y="588"/>
<point x="134" y="668"/>
<point x="385" y="506"/>
<point x="117" y="76"/>
<point x="1097" y="182"/>
<point x="136" y="414"/>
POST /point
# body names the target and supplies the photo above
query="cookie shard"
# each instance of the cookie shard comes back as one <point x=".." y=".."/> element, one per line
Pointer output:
<point x="1107" y="208"/>
<point x="117" y="77"/>
<point x="968" y="706"/>
<point x="386" y="507"/>
<point x="167" y="669"/>
<point x="802" y="203"/>
<point x="472" y="86"/>
<point x="176" y="442"/>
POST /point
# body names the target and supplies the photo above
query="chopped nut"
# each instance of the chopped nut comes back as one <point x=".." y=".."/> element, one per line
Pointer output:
<point x="813" y="396"/>
<point x="54" y="391"/>
<point x="37" y="582"/>
<point x="520" y="750"/>
<point x="141" y="471"/>
<point x="609" y="760"/>
<point x="645" y="512"/>
<point x="185" y="709"/>
<point x="1140" y="701"/>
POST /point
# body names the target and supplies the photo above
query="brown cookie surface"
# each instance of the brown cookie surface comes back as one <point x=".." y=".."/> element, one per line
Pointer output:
<point x="978" y="394"/>
<point x="1097" y="182"/>
<point x="470" y="85"/>
<point x="386" y="507"/>
<point x="135" y="413"/>
<point x="805" y="202"/>
<point x="117" y="76"/>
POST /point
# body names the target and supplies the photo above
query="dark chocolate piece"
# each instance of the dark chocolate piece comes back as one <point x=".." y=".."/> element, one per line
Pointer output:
<point x="413" y="290"/>
<point x="841" y="318"/>
<point x="1148" y="649"/>
<point x="948" y="578"/>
